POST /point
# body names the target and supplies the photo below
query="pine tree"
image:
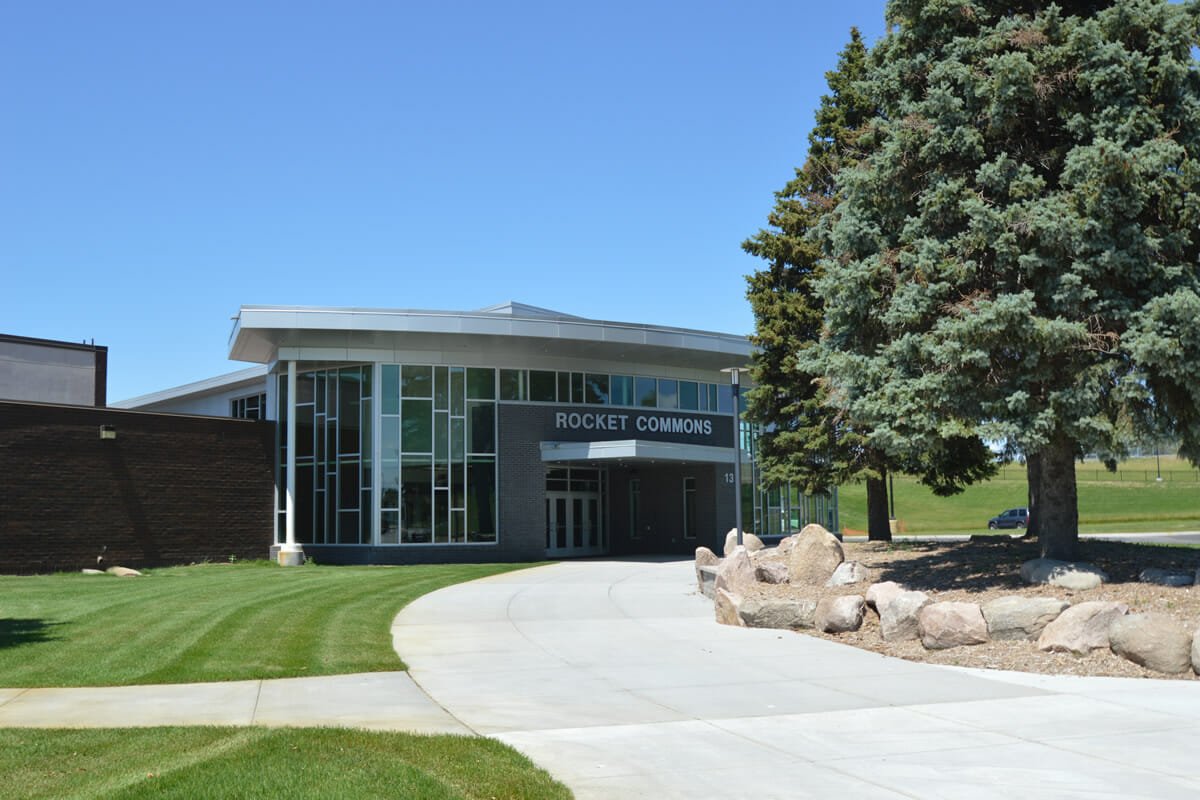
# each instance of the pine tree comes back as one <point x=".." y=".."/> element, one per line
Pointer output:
<point x="805" y="441"/>
<point x="1016" y="258"/>
<point x="800" y="443"/>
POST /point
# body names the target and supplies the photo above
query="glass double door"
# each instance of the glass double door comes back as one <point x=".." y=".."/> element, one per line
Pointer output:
<point x="573" y="524"/>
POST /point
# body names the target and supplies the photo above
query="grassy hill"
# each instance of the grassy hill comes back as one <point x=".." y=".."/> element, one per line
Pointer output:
<point x="1131" y="500"/>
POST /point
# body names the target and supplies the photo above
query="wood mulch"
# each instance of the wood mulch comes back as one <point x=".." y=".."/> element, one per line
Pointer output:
<point x="988" y="567"/>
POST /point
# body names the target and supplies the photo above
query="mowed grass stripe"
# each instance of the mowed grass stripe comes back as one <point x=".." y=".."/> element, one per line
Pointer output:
<point x="263" y="762"/>
<point x="209" y="622"/>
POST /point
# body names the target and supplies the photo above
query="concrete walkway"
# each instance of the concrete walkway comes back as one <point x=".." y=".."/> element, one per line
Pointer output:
<point x="614" y="676"/>
<point x="376" y="700"/>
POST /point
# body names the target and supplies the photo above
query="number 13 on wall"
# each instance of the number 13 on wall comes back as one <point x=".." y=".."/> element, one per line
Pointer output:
<point x="729" y="477"/>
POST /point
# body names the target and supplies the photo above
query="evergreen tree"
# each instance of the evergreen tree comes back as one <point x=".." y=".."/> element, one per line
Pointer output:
<point x="799" y="443"/>
<point x="806" y="441"/>
<point x="1016" y="258"/>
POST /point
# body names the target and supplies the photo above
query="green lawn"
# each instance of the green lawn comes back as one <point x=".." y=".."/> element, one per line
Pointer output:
<point x="1129" y="501"/>
<point x="197" y="763"/>
<point x="214" y="622"/>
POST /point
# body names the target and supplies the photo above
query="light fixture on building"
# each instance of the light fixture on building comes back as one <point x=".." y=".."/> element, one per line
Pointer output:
<point x="737" y="443"/>
<point x="108" y="431"/>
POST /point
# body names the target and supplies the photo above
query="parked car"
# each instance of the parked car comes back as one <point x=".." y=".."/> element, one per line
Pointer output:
<point x="1012" y="518"/>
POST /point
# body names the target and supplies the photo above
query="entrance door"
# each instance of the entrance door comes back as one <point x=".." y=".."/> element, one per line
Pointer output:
<point x="573" y="524"/>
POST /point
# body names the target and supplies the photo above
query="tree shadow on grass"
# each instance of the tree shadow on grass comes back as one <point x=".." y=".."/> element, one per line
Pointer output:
<point x="15" y="632"/>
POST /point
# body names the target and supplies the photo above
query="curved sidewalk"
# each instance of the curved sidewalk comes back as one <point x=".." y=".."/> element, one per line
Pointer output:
<point x="614" y="676"/>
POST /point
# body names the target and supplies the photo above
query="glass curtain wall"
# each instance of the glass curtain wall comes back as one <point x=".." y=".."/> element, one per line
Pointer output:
<point x="437" y="455"/>
<point x="333" y="455"/>
<point x="436" y="467"/>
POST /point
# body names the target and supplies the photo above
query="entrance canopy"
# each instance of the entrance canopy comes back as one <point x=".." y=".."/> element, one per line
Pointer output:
<point x="635" y="450"/>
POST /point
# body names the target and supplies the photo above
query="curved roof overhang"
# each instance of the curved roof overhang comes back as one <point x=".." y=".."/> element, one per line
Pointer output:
<point x="264" y="334"/>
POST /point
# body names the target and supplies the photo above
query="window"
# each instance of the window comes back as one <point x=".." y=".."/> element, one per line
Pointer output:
<point x="646" y="391"/>
<point x="596" y="389"/>
<point x="668" y="394"/>
<point x="513" y="385"/>
<point x="622" y="390"/>
<point x="252" y="407"/>
<point x="543" y="386"/>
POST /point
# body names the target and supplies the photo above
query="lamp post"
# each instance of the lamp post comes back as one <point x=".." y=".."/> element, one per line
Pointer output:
<point x="737" y="444"/>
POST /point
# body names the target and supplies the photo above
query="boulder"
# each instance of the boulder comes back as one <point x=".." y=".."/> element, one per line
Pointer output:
<point x="1166" y="577"/>
<point x="847" y="573"/>
<point x="1196" y="651"/>
<point x="1155" y="641"/>
<point x="749" y="541"/>
<point x="771" y="572"/>
<point x="814" y="557"/>
<point x="1067" y="574"/>
<point x="786" y="544"/>
<point x="87" y="571"/>
<point x="1016" y="617"/>
<point x="840" y="614"/>
<point x="725" y="605"/>
<point x="736" y="573"/>
<point x="882" y="593"/>
<point x="708" y="581"/>
<point x="705" y="558"/>
<point x="123" y="572"/>
<point x="1081" y="628"/>
<point x="777" y="613"/>
<point x="898" y="621"/>
<point x="946" y="625"/>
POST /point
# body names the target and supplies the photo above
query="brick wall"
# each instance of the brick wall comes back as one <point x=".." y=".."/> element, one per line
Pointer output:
<point x="169" y="489"/>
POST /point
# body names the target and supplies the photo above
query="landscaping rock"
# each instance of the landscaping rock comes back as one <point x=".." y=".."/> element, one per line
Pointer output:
<point x="880" y="594"/>
<point x="946" y="625"/>
<point x="771" y="572"/>
<point x="1155" y="641"/>
<point x="1068" y="575"/>
<point x="848" y="573"/>
<point x="1166" y="577"/>
<point x="786" y="544"/>
<point x="1016" y="617"/>
<point x="1081" y="628"/>
<point x="87" y="571"/>
<point x="840" y="614"/>
<point x="749" y="541"/>
<point x="123" y="572"/>
<point x="1196" y="651"/>
<point x="705" y="558"/>
<point x="736" y="573"/>
<point x="814" y="557"/>
<point x="708" y="581"/>
<point x="725" y="605"/>
<point x="898" y="621"/>
<point x="778" y="613"/>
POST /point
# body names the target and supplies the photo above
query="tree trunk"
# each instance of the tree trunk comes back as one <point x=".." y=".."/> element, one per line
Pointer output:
<point x="1057" y="502"/>
<point x="878" y="529"/>
<point x="1033" y="474"/>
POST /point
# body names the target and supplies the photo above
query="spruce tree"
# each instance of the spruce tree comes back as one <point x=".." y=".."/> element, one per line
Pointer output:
<point x="1016" y="258"/>
<point x="800" y="443"/>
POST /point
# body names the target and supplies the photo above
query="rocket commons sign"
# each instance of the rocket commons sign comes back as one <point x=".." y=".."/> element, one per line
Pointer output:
<point x="573" y="424"/>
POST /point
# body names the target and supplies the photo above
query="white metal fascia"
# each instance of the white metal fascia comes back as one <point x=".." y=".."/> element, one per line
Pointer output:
<point x="634" y="449"/>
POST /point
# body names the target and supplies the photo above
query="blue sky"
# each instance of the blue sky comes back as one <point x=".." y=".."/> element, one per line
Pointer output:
<point x="163" y="163"/>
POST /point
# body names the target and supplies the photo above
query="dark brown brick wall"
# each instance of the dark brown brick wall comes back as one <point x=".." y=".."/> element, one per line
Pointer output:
<point x="170" y="489"/>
